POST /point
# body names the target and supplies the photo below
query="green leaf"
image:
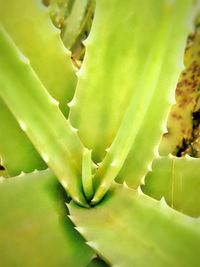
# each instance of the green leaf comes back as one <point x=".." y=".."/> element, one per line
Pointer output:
<point x="16" y="151"/>
<point x="40" y="118"/>
<point x="121" y="84"/>
<point x="178" y="181"/>
<point x="115" y="55"/>
<point x="130" y="229"/>
<point x="34" y="227"/>
<point x="87" y="181"/>
<point x="29" y="25"/>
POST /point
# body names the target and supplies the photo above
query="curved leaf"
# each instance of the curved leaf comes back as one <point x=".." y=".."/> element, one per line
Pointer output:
<point x="34" y="227"/>
<point x="130" y="229"/>
<point x="17" y="152"/>
<point x="29" y="25"/>
<point x="44" y="124"/>
<point x="128" y="88"/>
<point x="178" y="181"/>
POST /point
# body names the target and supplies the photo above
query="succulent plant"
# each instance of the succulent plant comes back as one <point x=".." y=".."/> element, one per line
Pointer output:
<point x="87" y="172"/>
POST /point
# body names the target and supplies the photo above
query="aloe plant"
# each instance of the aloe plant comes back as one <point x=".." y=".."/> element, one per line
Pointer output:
<point x="88" y="176"/>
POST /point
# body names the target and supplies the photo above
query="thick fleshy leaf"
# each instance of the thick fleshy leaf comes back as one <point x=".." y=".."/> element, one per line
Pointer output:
<point x="34" y="227"/>
<point x="110" y="78"/>
<point x="40" y="118"/>
<point x="121" y="84"/>
<point x="29" y="25"/>
<point x="87" y="181"/>
<point x="129" y="228"/>
<point x="178" y="181"/>
<point x="17" y="152"/>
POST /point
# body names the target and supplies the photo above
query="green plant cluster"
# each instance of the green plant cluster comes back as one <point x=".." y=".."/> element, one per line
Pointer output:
<point x="99" y="136"/>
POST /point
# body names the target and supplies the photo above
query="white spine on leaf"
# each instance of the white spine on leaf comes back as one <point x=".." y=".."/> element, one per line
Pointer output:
<point x="54" y="101"/>
<point x="156" y="151"/>
<point x="113" y="163"/>
<point x="45" y="157"/>
<point x="164" y="127"/>
<point x="24" y="59"/>
<point x="163" y="203"/>
<point x="149" y="167"/>
<point x="125" y="184"/>
<point x="93" y="245"/>
<point x="139" y="191"/>
<point x="72" y="103"/>
<point x="81" y="230"/>
<point x="71" y="218"/>
<point x="22" y="125"/>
